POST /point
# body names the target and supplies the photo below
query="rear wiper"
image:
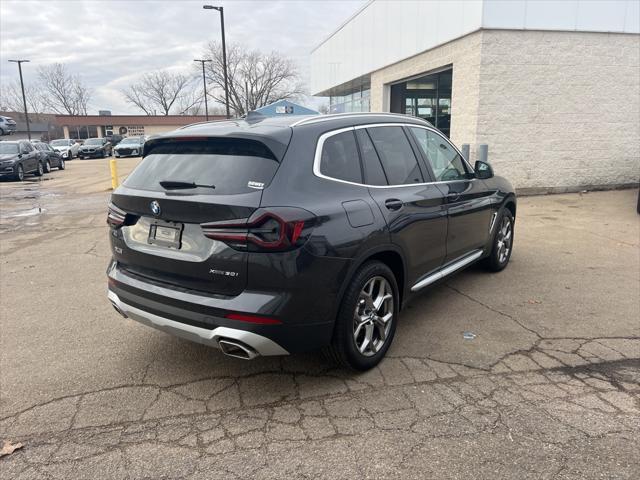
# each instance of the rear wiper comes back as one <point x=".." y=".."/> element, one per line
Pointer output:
<point x="175" y="185"/>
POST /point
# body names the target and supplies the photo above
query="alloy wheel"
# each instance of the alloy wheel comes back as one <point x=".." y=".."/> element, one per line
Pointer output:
<point x="373" y="316"/>
<point x="504" y="239"/>
<point x="20" y="173"/>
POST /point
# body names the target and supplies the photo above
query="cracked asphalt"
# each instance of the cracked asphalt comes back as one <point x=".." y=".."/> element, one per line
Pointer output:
<point x="549" y="387"/>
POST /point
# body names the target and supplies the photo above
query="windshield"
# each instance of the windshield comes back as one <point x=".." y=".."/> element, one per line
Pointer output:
<point x="60" y="143"/>
<point x="130" y="140"/>
<point x="93" y="141"/>
<point x="234" y="166"/>
<point x="8" y="148"/>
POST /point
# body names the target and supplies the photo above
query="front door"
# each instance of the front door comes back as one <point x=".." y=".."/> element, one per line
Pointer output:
<point x="415" y="211"/>
<point x="469" y="206"/>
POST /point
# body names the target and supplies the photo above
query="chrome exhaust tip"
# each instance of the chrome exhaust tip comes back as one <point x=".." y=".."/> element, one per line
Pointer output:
<point x="117" y="309"/>
<point x="236" y="349"/>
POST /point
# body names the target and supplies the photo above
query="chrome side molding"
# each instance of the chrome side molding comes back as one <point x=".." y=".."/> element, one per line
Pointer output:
<point x="449" y="269"/>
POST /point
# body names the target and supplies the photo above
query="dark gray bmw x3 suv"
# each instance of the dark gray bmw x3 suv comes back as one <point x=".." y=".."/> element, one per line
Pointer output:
<point x="268" y="236"/>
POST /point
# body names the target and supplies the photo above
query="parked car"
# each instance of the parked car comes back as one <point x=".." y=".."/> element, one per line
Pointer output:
<point x="49" y="157"/>
<point x="114" y="139"/>
<point x="18" y="158"/>
<point x="277" y="235"/>
<point x="129" y="147"/>
<point x="95" y="148"/>
<point x="67" y="147"/>
<point x="7" y="125"/>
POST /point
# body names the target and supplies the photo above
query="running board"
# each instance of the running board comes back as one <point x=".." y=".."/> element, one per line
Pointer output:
<point x="449" y="269"/>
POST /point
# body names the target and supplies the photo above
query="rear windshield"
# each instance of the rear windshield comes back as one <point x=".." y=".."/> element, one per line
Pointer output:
<point x="233" y="166"/>
<point x="7" y="148"/>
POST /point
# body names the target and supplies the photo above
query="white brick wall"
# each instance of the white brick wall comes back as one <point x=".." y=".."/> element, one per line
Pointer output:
<point x="558" y="109"/>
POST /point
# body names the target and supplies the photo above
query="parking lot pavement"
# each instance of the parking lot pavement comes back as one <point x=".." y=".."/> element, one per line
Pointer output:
<point x="545" y="383"/>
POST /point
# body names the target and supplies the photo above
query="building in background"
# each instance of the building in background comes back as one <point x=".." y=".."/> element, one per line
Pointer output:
<point x="552" y="87"/>
<point x="285" y="107"/>
<point x="87" y="126"/>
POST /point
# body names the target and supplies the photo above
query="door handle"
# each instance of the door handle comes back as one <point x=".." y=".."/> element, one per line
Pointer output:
<point x="453" y="197"/>
<point x="393" y="204"/>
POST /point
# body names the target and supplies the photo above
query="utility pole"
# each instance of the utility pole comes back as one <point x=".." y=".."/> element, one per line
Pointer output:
<point x="224" y="56"/>
<point x="24" y="99"/>
<point x="204" y="83"/>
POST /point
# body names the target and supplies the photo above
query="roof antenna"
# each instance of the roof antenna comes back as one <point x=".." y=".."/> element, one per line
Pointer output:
<point x="254" y="117"/>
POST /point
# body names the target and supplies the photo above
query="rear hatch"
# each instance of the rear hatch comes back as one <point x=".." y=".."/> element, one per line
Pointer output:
<point x="180" y="184"/>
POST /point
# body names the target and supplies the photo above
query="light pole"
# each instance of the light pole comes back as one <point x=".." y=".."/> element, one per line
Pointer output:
<point x="224" y="56"/>
<point x="24" y="99"/>
<point x="204" y="83"/>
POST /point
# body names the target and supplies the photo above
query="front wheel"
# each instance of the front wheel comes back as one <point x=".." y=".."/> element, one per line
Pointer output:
<point x="366" y="320"/>
<point x="47" y="167"/>
<point x="40" y="171"/>
<point x="502" y="243"/>
<point x="19" y="175"/>
<point x="62" y="166"/>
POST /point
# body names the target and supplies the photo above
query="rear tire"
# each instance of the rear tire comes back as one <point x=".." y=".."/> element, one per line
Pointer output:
<point x="62" y="166"/>
<point x="502" y="245"/>
<point x="40" y="171"/>
<point x="367" y="317"/>
<point x="47" y="167"/>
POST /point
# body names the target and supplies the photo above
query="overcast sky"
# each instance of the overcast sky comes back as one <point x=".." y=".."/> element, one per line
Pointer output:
<point x="111" y="43"/>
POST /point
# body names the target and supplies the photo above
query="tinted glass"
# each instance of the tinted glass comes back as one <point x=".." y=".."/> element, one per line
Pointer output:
<point x="26" y="147"/>
<point x="443" y="158"/>
<point x="229" y="164"/>
<point x="60" y="143"/>
<point x="373" y="173"/>
<point x="93" y="141"/>
<point x="396" y="155"/>
<point x="340" y="158"/>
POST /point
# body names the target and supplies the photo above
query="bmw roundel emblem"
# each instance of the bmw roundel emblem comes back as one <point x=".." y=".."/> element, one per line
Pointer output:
<point x="155" y="208"/>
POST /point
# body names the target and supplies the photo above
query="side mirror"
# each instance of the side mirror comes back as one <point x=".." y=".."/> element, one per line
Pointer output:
<point x="483" y="170"/>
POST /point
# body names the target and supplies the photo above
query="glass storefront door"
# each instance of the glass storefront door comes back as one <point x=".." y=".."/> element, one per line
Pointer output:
<point x="427" y="97"/>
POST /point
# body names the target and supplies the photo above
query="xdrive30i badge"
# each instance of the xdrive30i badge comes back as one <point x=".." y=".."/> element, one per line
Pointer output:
<point x="155" y="208"/>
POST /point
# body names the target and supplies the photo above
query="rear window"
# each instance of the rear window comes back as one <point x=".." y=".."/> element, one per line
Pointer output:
<point x="233" y="166"/>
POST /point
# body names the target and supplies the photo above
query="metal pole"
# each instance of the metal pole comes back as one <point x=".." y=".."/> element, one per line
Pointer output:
<point x="204" y="82"/>
<point x="24" y="98"/>
<point x="224" y="62"/>
<point x="246" y="97"/>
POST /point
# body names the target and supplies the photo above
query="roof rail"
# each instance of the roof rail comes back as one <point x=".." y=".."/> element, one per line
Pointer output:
<point x="324" y="118"/>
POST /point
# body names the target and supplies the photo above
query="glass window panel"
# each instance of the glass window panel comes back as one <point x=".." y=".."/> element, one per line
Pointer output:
<point x="396" y="155"/>
<point x="340" y="158"/>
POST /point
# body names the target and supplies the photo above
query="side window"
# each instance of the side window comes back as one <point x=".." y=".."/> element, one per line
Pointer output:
<point x="26" y="148"/>
<point x="340" y="158"/>
<point x="396" y="155"/>
<point x="443" y="158"/>
<point x="373" y="173"/>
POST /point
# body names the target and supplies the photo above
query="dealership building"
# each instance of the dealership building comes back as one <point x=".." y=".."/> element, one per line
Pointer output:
<point x="553" y="88"/>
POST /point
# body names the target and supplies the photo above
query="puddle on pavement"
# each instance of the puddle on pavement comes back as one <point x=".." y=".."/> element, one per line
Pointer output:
<point x="25" y="213"/>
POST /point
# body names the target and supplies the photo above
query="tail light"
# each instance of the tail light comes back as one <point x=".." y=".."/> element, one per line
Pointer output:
<point x="273" y="229"/>
<point x="115" y="216"/>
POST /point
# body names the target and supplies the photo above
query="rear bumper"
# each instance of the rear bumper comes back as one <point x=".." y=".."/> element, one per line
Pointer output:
<point x="211" y="337"/>
<point x="200" y="317"/>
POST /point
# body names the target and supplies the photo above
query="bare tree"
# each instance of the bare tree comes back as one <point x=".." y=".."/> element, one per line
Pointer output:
<point x="63" y="92"/>
<point x="256" y="79"/>
<point x="161" y="91"/>
<point x="11" y="98"/>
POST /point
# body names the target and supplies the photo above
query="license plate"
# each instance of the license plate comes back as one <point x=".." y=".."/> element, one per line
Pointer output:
<point x="166" y="236"/>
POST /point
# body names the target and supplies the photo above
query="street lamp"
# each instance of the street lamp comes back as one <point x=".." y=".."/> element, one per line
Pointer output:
<point x="24" y="99"/>
<point x="224" y="55"/>
<point x="204" y="83"/>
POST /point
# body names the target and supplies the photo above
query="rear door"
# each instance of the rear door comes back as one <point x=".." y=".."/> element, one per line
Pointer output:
<point x="163" y="239"/>
<point x="29" y="157"/>
<point x="469" y="205"/>
<point x="414" y="209"/>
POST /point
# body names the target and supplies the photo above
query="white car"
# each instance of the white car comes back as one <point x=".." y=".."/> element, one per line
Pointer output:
<point x="67" y="147"/>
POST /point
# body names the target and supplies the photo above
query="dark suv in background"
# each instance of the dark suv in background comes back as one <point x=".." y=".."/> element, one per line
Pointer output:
<point x="267" y="236"/>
